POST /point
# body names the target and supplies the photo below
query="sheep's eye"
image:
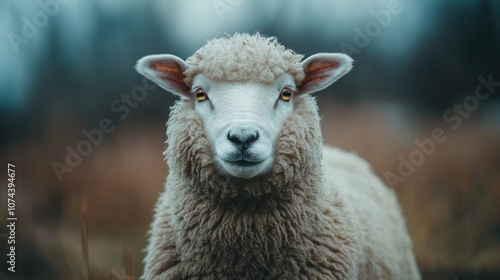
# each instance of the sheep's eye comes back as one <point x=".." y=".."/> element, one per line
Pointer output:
<point x="201" y="95"/>
<point x="286" y="94"/>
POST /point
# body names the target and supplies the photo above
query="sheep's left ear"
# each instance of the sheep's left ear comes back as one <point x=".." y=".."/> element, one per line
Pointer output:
<point x="166" y="70"/>
<point x="323" y="69"/>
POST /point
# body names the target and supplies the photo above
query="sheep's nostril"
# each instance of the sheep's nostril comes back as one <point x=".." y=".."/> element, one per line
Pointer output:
<point x="242" y="140"/>
<point x="252" y="137"/>
<point x="234" y="138"/>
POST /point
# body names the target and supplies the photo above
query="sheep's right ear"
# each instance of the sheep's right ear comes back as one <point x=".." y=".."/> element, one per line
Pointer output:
<point x="166" y="70"/>
<point x="323" y="69"/>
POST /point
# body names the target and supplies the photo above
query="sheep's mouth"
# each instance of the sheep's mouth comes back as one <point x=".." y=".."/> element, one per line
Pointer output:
<point x="245" y="163"/>
<point x="244" y="168"/>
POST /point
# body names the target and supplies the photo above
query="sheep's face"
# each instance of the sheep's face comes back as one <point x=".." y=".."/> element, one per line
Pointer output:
<point x="243" y="120"/>
<point x="244" y="117"/>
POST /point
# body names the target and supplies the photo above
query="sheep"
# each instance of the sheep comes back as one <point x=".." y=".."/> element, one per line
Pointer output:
<point x="252" y="193"/>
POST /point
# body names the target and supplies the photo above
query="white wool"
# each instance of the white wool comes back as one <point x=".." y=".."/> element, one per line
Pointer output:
<point x="375" y="213"/>
<point x="244" y="57"/>
<point x="319" y="213"/>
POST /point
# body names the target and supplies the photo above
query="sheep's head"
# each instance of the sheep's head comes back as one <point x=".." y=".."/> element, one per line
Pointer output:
<point x="244" y="87"/>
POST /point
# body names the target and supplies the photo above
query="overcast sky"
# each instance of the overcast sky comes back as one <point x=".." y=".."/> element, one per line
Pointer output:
<point x="188" y="24"/>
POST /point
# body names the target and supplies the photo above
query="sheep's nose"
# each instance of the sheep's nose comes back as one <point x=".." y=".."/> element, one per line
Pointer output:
<point x="242" y="138"/>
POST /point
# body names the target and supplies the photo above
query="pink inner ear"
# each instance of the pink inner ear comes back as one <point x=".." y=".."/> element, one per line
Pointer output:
<point x="174" y="74"/>
<point x="175" y="70"/>
<point x="320" y="66"/>
<point x="312" y="79"/>
<point x="315" y="71"/>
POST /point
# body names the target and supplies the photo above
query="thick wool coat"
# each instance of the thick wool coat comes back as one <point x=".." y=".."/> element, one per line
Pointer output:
<point x="319" y="214"/>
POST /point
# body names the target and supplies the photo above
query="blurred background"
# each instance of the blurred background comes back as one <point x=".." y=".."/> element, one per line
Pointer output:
<point x="86" y="132"/>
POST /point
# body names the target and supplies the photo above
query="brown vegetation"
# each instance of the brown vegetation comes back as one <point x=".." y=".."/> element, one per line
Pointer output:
<point x="450" y="201"/>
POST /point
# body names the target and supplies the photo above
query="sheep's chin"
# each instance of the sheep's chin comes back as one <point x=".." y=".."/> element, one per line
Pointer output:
<point x="244" y="171"/>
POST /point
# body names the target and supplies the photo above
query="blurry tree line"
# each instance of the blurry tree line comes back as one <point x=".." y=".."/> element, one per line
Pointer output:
<point x="88" y="52"/>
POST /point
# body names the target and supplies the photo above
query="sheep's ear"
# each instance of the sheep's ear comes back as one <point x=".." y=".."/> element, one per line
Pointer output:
<point x="323" y="69"/>
<point x="165" y="70"/>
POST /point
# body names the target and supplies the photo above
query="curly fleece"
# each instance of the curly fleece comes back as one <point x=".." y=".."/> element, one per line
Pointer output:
<point x="244" y="57"/>
<point x="297" y="222"/>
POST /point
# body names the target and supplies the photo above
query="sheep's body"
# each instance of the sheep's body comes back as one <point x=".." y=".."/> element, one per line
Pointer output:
<point x="383" y="244"/>
<point x="294" y="223"/>
<point x="252" y="193"/>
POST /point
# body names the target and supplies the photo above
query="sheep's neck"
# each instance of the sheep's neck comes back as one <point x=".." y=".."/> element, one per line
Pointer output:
<point x="249" y="233"/>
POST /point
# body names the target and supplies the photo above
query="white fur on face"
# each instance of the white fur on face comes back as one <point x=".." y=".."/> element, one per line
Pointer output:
<point x="242" y="121"/>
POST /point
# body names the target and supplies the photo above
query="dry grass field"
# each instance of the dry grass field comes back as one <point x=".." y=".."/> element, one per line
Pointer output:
<point x="451" y="201"/>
